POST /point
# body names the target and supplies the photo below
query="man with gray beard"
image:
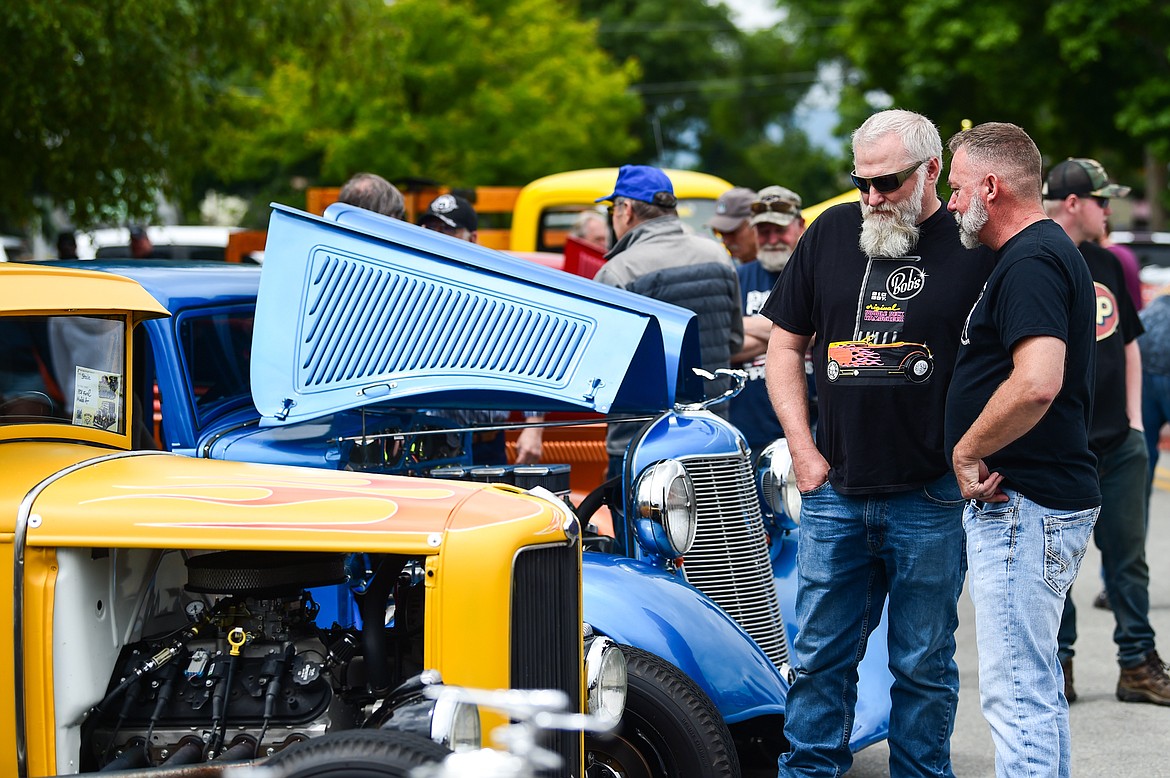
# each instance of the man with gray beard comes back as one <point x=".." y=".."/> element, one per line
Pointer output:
<point x="774" y="217"/>
<point x="883" y="285"/>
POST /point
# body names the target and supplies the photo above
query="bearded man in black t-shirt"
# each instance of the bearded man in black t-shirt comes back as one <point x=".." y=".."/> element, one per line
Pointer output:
<point x="1076" y="196"/>
<point x="1017" y="424"/>
<point x="883" y="286"/>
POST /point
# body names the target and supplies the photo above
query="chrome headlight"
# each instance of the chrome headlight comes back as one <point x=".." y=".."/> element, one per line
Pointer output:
<point x="605" y="678"/>
<point x="456" y="725"/>
<point x="424" y="706"/>
<point x="664" y="498"/>
<point x="777" y="482"/>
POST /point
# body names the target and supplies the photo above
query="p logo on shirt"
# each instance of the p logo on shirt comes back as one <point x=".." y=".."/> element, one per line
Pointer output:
<point x="1106" y="311"/>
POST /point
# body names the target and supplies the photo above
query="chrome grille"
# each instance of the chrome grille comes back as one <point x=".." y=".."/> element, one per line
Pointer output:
<point x="729" y="560"/>
<point x="436" y="327"/>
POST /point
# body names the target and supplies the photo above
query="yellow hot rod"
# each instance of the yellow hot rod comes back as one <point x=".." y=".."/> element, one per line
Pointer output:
<point x="165" y="609"/>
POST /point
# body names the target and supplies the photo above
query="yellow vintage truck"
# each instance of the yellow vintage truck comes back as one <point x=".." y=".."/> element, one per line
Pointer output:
<point x="162" y="615"/>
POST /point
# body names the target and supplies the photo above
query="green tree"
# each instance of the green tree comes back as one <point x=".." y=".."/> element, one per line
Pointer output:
<point x="106" y="104"/>
<point x="717" y="97"/>
<point x="458" y="91"/>
<point x="1084" y="77"/>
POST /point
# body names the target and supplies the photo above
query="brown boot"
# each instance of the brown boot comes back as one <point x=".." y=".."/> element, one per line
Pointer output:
<point x="1070" y="692"/>
<point x="1148" y="682"/>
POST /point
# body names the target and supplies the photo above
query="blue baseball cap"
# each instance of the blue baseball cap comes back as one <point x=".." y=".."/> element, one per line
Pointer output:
<point x="639" y="182"/>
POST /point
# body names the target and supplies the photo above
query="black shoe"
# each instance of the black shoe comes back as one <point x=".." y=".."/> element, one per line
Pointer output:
<point x="1101" y="601"/>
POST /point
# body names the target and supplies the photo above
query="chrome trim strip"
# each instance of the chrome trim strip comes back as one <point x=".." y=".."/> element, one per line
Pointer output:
<point x="18" y="546"/>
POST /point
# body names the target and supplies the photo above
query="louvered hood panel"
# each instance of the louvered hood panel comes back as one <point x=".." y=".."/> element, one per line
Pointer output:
<point x="356" y="308"/>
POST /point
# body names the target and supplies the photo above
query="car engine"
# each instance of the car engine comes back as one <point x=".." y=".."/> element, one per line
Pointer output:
<point x="250" y="672"/>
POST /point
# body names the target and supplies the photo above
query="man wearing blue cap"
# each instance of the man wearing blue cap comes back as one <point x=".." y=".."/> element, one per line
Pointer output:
<point x="655" y="256"/>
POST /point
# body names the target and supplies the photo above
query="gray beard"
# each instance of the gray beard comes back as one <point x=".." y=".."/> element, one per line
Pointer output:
<point x="971" y="223"/>
<point x="773" y="260"/>
<point x="893" y="234"/>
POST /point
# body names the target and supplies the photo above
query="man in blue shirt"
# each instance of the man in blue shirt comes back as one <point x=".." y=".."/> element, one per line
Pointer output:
<point x="775" y="218"/>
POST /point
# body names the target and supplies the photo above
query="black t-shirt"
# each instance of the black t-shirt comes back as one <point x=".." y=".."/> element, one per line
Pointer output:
<point x="1040" y="286"/>
<point x="1117" y="325"/>
<point x="886" y="334"/>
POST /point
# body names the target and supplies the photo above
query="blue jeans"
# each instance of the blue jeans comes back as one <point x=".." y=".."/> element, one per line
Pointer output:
<point x="1023" y="559"/>
<point x="1120" y="533"/>
<point x="853" y="553"/>
<point x="1155" y="413"/>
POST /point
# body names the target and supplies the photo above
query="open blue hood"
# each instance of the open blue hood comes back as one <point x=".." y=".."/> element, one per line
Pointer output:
<point x="356" y="308"/>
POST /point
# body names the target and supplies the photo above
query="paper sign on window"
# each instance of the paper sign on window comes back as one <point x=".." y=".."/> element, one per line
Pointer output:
<point x="97" y="399"/>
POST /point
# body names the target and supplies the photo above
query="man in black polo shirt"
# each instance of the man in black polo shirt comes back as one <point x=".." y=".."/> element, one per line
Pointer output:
<point x="1017" y="426"/>
<point x="1076" y="196"/>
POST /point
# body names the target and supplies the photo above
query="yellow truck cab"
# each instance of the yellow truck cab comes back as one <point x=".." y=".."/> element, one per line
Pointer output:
<point x="163" y="608"/>
<point x="546" y="208"/>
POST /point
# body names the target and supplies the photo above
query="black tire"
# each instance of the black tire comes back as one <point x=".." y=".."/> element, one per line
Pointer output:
<point x="357" y="753"/>
<point x="833" y="370"/>
<point x="670" y="728"/>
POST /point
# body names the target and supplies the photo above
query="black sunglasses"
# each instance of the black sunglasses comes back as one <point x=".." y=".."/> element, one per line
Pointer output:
<point x="774" y="204"/>
<point x="1101" y="201"/>
<point x="885" y="184"/>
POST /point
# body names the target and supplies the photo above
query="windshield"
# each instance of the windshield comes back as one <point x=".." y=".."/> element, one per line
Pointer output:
<point x="217" y="350"/>
<point x="63" y="369"/>
<point x="557" y="221"/>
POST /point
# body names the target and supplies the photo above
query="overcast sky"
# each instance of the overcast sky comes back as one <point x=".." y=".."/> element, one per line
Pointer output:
<point x="753" y="14"/>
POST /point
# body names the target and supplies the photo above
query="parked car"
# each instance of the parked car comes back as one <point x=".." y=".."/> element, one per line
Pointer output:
<point x="363" y="321"/>
<point x="1153" y="253"/>
<point x="546" y="208"/>
<point x="163" y="611"/>
<point x="13" y="248"/>
<point x="176" y="241"/>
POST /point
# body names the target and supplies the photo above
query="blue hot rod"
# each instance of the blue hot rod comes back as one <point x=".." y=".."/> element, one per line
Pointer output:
<point x="360" y="333"/>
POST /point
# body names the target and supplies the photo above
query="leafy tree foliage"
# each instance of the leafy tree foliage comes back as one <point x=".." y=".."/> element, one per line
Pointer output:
<point x="105" y="104"/>
<point x="1084" y="77"/>
<point x="717" y="97"/>
<point x="457" y="91"/>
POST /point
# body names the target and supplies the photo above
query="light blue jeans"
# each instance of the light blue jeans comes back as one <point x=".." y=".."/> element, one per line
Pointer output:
<point x="1022" y="559"/>
<point x="855" y="552"/>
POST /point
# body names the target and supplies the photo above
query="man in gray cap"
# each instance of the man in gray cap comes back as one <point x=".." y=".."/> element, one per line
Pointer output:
<point x="732" y="223"/>
<point x="1076" y="196"/>
<point x="776" y="224"/>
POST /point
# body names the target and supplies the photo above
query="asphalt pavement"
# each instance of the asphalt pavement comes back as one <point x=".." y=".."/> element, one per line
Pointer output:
<point x="1109" y="738"/>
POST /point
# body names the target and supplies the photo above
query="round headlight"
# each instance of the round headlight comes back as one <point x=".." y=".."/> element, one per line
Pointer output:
<point x="456" y="725"/>
<point x="605" y="679"/>
<point x="777" y="482"/>
<point x="665" y="495"/>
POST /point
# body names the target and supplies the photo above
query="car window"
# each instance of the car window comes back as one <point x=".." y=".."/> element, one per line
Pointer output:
<point x="63" y="369"/>
<point x="555" y="223"/>
<point x="217" y="350"/>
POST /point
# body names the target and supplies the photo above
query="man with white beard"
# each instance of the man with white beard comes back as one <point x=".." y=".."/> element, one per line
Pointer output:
<point x="774" y="216"/>
<point x="883" y="285"/>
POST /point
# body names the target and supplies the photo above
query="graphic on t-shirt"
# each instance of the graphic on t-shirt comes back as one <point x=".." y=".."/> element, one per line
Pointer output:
<point x="1107" y="312"/>
<point x="877" y="352"/>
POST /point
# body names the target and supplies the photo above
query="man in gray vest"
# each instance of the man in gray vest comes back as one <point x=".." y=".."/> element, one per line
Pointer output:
<point x="656" y="256"/>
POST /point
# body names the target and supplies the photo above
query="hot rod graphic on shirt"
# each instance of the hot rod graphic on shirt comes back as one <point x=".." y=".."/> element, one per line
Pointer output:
<point x="876" y="353"/>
